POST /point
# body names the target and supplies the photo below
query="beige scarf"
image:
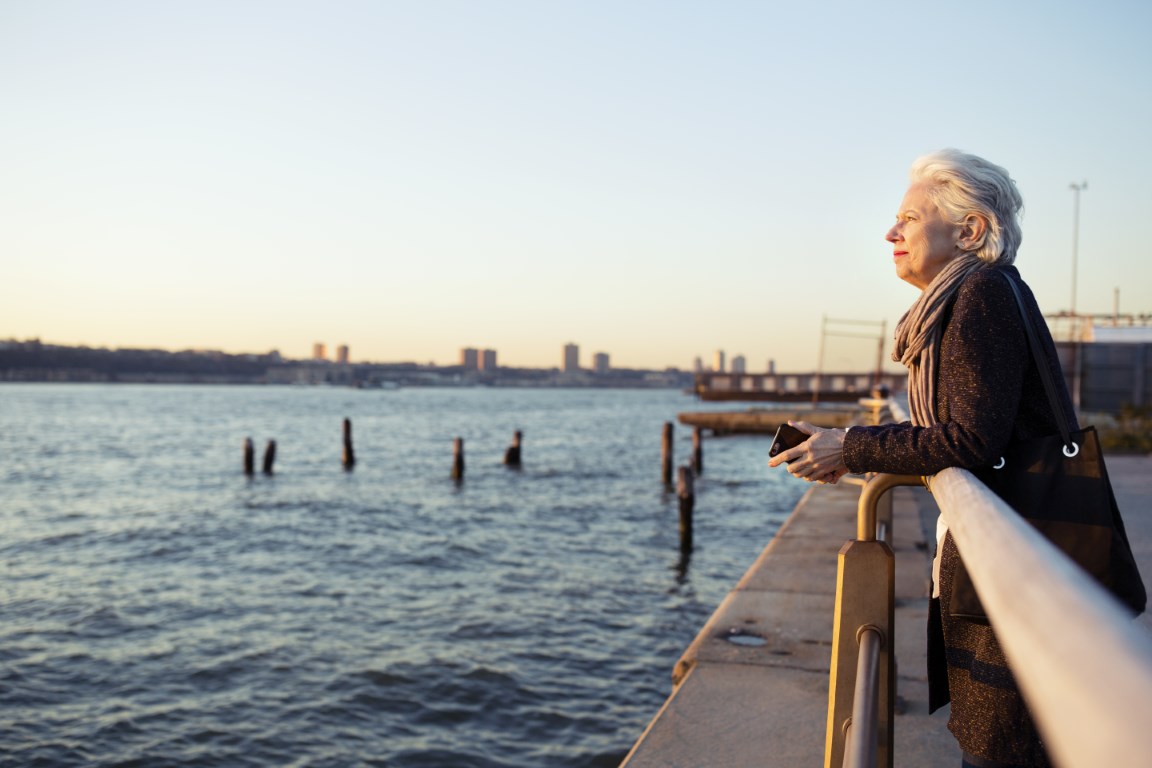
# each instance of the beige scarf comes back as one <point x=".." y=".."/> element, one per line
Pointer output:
<point x="919" y="332"/>
<point x="918" y="337"/>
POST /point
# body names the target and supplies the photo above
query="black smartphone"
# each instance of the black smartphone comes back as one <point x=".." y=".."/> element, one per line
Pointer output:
<point x="786" y="437"/>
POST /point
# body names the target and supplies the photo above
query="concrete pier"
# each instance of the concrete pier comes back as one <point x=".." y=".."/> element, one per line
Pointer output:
<point x="752" y="689"/>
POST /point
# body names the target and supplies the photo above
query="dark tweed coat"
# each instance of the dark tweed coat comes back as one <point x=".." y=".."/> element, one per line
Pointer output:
<point x="989" y="393"/>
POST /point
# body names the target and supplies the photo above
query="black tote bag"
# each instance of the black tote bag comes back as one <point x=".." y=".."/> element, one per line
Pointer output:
<point x="1060" y="485"/>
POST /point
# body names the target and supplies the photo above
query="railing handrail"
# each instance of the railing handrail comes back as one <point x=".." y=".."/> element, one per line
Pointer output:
<point x="1084" y="667"/>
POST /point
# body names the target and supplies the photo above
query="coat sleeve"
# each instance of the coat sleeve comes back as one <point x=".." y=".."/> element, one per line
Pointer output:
<point x="984" y="357"/>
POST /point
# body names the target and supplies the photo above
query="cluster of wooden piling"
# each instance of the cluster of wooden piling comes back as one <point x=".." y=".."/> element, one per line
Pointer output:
<point x="250" y="456"/>
<point x="512" y="456"/>
<point x="685" y="480"/>
<point x="684" y="477"/>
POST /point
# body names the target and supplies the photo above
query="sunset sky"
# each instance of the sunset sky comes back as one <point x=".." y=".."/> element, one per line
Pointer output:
<point x="652" y="179"/>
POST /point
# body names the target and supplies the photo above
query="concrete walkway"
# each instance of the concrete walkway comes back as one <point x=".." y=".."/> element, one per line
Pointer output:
<point x="738" y="704"/>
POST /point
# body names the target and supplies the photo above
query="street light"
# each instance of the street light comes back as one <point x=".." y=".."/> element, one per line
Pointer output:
<point x="1076" y="330"/>
<point x="1076" y="189"/>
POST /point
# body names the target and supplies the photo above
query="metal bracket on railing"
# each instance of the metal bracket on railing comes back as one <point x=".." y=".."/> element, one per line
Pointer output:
<point x="876" y="486"/>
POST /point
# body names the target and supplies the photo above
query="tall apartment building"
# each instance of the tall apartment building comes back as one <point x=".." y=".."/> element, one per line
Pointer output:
<point x="488" y="360"/>
<point x="469" y="359"/>
<point x="571" y="358"/>
<point x="342" y="354"/>
<point x="601" y="363"/>
<point x="718" y="361"/>
<point x="738" y="364"/>
<point x="319" y="351"/>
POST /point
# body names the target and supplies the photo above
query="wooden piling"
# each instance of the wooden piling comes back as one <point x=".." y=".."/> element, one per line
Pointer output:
<point x="249" y="457"/>
<point x="685" y="490"/>
<point x="698" y="450"/>
<point x="458" y="459"/>
<point x="666" y="454"/>
<point x="512" y="455"/>
<point x="269" y="456"/>
<point x="349" y="454"/>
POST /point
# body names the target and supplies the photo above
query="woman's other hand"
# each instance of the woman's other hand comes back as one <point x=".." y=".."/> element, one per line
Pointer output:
<point x="819" y="459"/>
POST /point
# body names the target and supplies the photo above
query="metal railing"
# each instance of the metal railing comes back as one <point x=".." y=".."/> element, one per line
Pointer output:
<point x="1084" y="667"/>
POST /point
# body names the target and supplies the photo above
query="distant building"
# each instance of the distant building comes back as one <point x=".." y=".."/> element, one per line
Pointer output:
<point x="488" y="360"/>
<point x="319" y="351"/>
<point x="601" y="363"/>
<point x="771" y="366"/>
<point x="469" y="359"/>
<point x="1107" y="334"/>
<point x="738" y="364"/>
<point x="571" y="358"/>
<point x="698" y="365"/>
<point x="342" y="354"/>
<point x="718" y="361"/>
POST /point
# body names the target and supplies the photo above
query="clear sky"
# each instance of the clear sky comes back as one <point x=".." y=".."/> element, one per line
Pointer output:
<point x="652" y="179"/>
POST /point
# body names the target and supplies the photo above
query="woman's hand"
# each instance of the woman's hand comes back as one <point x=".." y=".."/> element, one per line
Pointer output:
<point x="819" y="459"/>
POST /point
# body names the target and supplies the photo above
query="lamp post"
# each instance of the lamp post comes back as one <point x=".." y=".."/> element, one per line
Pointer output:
<point x="1076" y="361"/>
<point x="1076" y="189"/>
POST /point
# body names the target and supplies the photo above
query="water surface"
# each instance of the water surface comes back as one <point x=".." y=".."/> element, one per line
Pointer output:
<point x="160" y="608"/>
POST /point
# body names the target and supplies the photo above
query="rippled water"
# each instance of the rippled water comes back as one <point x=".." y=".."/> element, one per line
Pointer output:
<point x="160" y="608"/>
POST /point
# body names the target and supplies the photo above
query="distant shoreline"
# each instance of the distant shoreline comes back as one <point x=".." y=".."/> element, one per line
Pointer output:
<point x="32" y="361"/>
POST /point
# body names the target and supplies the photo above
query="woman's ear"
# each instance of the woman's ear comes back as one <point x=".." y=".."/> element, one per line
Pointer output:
<point x="972" y="232"/>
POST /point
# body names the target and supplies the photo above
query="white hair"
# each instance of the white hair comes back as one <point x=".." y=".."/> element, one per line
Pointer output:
<point x="962" y="185"/>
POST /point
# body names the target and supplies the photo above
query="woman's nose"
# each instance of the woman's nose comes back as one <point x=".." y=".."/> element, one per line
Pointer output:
<point x="892" y="235"/>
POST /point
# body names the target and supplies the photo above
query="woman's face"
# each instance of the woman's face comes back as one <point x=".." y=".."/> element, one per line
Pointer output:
<point x="923" y="241"/>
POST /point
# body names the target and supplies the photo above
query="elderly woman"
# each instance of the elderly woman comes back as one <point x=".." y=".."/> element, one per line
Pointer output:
<point x="973" y="388"/>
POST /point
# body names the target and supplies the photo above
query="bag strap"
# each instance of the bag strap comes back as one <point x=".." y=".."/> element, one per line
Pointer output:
<point x="1042" y="364"/>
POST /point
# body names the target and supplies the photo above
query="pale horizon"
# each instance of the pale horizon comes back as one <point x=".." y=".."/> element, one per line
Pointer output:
<point x="655" y="181"/>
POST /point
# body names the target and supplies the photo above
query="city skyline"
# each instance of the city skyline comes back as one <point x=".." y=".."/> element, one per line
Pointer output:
<point x="654" y="180"/>
<point x="468" y="358"/>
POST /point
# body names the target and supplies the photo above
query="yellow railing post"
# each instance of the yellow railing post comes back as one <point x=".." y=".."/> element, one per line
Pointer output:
<point x="865" y="597"/>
